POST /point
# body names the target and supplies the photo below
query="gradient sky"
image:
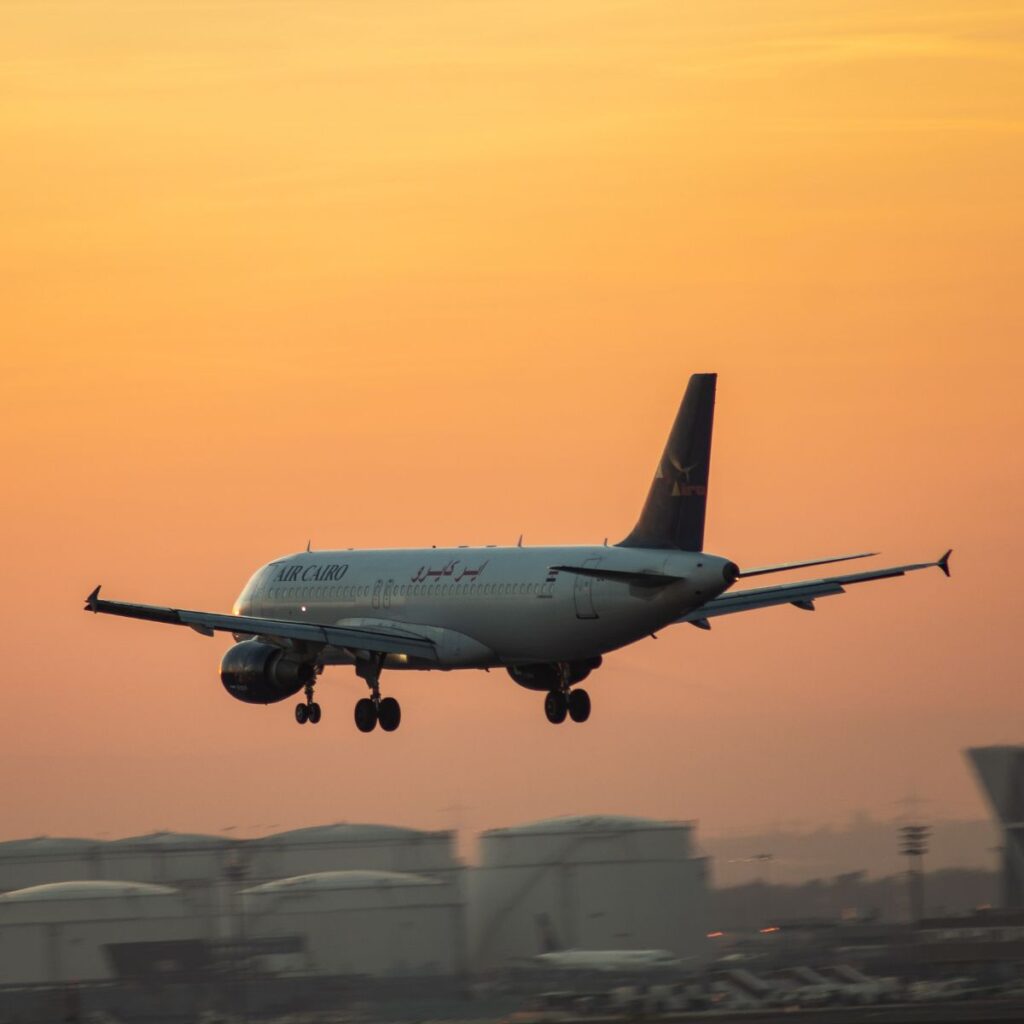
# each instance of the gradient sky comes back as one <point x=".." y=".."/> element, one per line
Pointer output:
<point x="402" y="273"/>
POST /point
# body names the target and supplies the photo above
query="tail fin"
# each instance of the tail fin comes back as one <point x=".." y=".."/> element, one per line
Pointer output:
<point x="673" y="515"/>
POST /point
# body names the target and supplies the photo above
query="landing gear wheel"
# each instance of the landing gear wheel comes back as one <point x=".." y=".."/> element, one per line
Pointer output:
<point x="555" y="707"/>
<point x="301" y="714"/>
<point x="389" y="714"/>
<point x="579" y="705"/>
<point x="366" y="715"/>
<point x="313" y="712"/>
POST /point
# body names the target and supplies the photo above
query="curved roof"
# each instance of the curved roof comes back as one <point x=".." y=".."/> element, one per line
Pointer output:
<point x="167" y="839"/>
<point x="344" y="832"/>
<point x="586" y="823"/>
<point x="47" y="844"/>
<point x="324" y="881"/>
<point x="85" y="890"/>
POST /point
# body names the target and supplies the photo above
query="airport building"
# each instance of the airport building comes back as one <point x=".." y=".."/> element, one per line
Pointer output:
<point x="597" y="883"/>
<point x="368" y="923"/>
<point x="373" y="901"/>
<point x="71" y="931"/>
<point x="1000" y="771"/>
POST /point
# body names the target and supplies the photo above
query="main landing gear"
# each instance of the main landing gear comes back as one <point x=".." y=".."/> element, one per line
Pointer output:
<point x="563" y="701"/>
<point x="375" y="710"/>
<point x="308" y="711"/>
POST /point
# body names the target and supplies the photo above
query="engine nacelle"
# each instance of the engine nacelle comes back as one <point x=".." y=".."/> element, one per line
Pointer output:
<point x="260" y="673"/>
<point x="546" y="675"/>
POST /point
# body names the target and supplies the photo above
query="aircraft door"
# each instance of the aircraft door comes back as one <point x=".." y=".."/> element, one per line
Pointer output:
<point x="583" y="592"/>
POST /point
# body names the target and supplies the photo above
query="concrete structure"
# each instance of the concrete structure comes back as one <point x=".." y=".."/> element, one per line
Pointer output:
<point x="376" y="923"/>
<point x="595" y="883"/>
<point x="59" y="932"/>
<point x="1000" y="771"/>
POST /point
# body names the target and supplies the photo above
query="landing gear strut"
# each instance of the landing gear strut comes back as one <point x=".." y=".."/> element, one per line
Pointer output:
<point x="564" y="701"/>
<point x="374" y="709"/>
<point x="309" y="711"/>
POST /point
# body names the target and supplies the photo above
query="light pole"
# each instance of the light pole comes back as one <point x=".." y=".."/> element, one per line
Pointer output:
<point x="913" y="846"/>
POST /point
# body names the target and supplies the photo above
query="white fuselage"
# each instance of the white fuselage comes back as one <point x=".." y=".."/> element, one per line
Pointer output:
<point x="489" y="606"/>
<point x="617" y="961"/>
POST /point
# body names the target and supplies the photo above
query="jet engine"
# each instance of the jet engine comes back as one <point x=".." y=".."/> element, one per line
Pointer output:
<point x="260" y="673"/>
<point x="546" y="675"/>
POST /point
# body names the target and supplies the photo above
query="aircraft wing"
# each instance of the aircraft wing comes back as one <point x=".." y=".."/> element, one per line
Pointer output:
<point x="358" y="638"/>
<point x="802" y="594"/>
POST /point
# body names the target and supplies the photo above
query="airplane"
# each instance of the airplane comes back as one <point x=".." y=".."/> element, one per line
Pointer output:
<point x="615" y="961"/>
<point x="547" y="615"/>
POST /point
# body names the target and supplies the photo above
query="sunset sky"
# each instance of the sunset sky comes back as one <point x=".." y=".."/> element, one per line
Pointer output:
<point x="401" y="273"/>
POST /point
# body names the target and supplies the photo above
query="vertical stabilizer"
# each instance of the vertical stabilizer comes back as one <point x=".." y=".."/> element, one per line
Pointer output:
<point x="673" y="515"/>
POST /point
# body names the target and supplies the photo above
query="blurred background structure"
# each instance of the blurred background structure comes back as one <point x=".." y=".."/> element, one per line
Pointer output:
<point x="1000" y="772"/>
<point x="343" y="914"/>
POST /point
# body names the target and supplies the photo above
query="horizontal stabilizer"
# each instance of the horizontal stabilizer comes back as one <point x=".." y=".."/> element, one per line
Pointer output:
<point x="634" y="579"/>
<point x="801" y="594"/>
<point x="763" y="570"/>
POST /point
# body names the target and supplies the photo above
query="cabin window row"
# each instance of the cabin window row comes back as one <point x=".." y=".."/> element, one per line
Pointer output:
<point x="406" y="590"/>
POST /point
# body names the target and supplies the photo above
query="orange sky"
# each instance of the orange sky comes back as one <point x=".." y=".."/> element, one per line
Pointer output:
<point x="399" y="273"/>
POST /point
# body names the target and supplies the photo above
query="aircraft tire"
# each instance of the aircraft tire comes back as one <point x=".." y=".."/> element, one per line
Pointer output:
<point x="301" y="714"/>
<point x="314" y="713"/>
<point x="366" y="715"/>
<point x="579" y="705"/>
<point x="555" y="707"/>
<point x="389" y="714"/>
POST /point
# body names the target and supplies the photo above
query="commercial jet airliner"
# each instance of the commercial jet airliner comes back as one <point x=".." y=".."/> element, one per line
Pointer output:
<point x="547" y="615"/>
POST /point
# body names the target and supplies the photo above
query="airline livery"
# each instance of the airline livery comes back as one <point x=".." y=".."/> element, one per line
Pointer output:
<point x="547" y="615"/>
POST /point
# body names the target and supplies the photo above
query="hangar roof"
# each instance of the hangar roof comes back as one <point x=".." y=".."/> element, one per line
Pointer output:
<point x="172" y="839"/>
<point x="587" y="823"/>
<point x="84" y="890"/>
<point x="323" y="881"/>
<point x="345" y="832"/>
<point x="46" y="844"/>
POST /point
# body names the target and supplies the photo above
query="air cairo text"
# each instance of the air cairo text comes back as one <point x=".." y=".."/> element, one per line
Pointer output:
<point x="310" y="573"/>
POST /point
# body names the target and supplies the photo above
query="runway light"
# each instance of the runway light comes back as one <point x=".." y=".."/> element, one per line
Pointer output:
<point x="770" y="929"/>
<point x="715" y="935"/>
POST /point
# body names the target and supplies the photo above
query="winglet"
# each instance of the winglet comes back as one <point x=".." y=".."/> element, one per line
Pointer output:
<point x="943" y="562"/>
<point x="92" y="600"/>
